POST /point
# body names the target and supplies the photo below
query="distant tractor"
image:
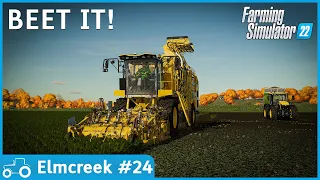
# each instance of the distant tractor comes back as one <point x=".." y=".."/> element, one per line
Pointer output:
<point x="276" y="105"/>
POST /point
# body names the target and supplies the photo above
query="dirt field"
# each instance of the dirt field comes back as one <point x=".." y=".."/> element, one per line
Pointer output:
<point x="241" y="145"/>
<point x="223" y="145"/>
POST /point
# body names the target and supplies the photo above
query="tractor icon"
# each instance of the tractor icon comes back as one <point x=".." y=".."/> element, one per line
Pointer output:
<point x="18" y="166"/>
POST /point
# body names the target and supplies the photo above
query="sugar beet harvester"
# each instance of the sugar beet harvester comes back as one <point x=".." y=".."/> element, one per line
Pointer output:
<point x="157" y="94"/>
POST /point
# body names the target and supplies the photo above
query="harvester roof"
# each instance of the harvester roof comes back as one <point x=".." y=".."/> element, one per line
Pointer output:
<point x="137" y="56"/>
<point x="177" y="37"/>
<point x="276" y="90"/>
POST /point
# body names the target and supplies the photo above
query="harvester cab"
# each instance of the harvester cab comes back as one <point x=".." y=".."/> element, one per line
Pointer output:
<point x="140" y="74"/>
<point x="276" y="105"/>
<point x="157" y="93"/>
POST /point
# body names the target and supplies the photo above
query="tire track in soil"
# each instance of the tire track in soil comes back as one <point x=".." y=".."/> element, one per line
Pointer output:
<point x="241" y="145"/>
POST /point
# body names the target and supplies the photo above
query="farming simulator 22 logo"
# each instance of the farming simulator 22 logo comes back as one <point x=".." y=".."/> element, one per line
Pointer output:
<point x="269" y="24"/>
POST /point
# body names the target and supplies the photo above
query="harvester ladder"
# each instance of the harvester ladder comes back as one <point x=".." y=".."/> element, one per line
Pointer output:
<point x="183" y="105"/>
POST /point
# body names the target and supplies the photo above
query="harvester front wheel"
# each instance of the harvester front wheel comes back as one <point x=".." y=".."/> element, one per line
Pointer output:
<point x="273" y="113"/>
<point x="171" y="114"/>
<point x="166" y="107"/>
<point x="293" y="113"/>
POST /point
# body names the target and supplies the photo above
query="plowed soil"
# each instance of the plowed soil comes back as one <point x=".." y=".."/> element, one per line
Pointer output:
<point x="241" y="145"/>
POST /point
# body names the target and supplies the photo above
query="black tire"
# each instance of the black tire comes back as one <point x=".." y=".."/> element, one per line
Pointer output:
<point x="294" y="113"/>
<point x="121" y="104"/>
<point x="193" y="118"/>
<point x="273" y="113"/>
<point x="182" y="118"/>
<point x="174" y="117"/>
<point x="266" y="110"/>
<point x="166" y="107"/>
<point x="170" y="112"/>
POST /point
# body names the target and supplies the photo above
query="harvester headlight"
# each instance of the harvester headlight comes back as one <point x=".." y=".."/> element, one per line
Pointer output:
<point x="128" y="112"/>
<point x="108" y="116"/>
<point x="142" y="122"/>
<point x="118" y="116"/>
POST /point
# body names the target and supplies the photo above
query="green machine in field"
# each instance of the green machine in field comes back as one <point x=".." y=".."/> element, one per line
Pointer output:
<point x="276" y="105"/>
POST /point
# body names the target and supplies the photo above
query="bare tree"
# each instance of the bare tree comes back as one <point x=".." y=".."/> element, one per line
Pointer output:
<point x="59" y="97"/>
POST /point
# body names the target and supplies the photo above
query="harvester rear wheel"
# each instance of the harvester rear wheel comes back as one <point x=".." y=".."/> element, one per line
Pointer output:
<point x="193" y="118"/>
<point x="173" y="120"/>
<point x="273" y="113"/>
<point x="294" y="113"/>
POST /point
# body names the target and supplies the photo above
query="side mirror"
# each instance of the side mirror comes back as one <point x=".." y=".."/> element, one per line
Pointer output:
<point x="105" y="65"/>
<point x="118" y="65"/>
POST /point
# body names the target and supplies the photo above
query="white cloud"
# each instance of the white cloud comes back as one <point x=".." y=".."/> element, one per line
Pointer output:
<point x="74" y="92"/>
<point x="58" y="82"/>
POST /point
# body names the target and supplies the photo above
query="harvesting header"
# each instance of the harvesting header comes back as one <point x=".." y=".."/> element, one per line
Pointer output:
<point x="274" y="17"/>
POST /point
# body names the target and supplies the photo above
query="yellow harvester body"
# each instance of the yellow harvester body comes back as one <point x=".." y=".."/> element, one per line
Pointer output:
<point x="158" y="93"/>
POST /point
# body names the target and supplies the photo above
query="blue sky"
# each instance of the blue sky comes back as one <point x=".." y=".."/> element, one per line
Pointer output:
<point x="223" y="58"/>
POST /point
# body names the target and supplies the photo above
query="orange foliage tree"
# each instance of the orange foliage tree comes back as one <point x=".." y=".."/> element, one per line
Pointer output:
<point x="241" y="94"/>
<point x="228" y="99"/>
<point x="206" y="99"/>
<point x="49" y="100"/>
<point x="21" y="99"/>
